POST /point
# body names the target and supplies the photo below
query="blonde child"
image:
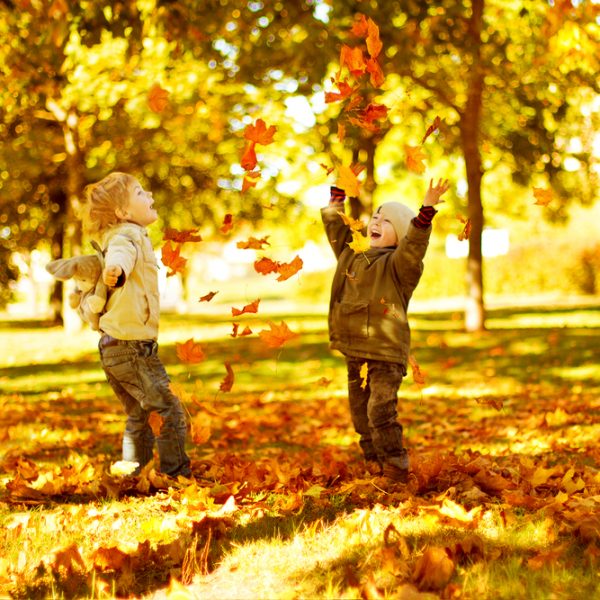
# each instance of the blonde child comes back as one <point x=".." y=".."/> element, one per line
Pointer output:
<point x="118" y="210"/>
<point x="368" y="320"/>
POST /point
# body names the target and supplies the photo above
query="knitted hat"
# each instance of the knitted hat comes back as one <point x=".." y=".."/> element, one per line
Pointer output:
<point x="399" y="215"/>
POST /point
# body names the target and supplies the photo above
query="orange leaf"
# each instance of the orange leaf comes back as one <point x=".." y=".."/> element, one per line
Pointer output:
<point x="227" y="382"/>
<point x="277" y="335"/>
<point x="434" y="569"/>
<point x="377" y="77"/>
<point x="348" y="182"/>
<point x="345" y="91"/>
<point x="466" y="232"/>
<point x="418" y="375"/>
<point x="249" y="160"/>
<point x="265" y="265"/>
<point x="156" y="422"/>
<point x="245" y="331"/>
<point x="249" y="308"/>
<point x="435" y="125"/>
<point x="259" y="133"/>
<point x="110" y="558"/>
<point x="341" y="134"/>
<point x="189" y="352"/>
<point x="542" y="197"/>
<point x="360" y="27"/>
<point x="355" y="224"/>
<point x="354" y="59"/>
<point x="199" y="429"/>
<point x="286" y="270"/>
<point x="250" y="180"/>
<point x="253" y="243"/>
<point x="227" y="224"/>
<point x="374" y="44"/>
<point x="414" y="158"/>
<point x="186" y="235"/>
<point x="172" y="260"/>
<point x="374" y="112"/>
<point x="67" y="557"/>
<point x="208" y="297"/>
<point x="158" y="99"/>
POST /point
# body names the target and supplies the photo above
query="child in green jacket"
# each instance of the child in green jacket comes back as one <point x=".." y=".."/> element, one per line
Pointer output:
<point x="368" y="320"/>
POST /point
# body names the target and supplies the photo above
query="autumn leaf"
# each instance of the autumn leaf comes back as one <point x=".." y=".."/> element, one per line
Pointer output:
<point x="374" y="44"/>
<point x="265" y="265"/>
<point x="360" y="27"/>
<point x="171" y="258"/>
<point x="246" y="331"/>
<point x="249" y="308"/>
<point x="227" y="382"/>
<point x="189" y="352"/>
<point x="360" y="243"/>
<point x="254" y="243"/>
<point x="227" y="223"/>
<point x="435" y="125"/>
<point x="158" y="98"/>
<point x="249" y="160"/>
<point x="286" y="270"/>
<point x="341" y="134"/>
<point x="250" y="180"/>
<point x="355" y="224"/>
<point x="200" y="430"/>
<point x="466" y="231"/>
<point x="377" y="77"/>
<point x="345" y="90"/>
<point x="433" y="569"/>
<point x="354" y="59"/>
<point x="348" y="181"/>
<point x="542" y="196"/>
<point x="156" y="423"/>
<point x="180" y="237"/>
<point x="418" y="375"/>
<point x="277" y="335"/>
<point x="374" y="112"/>
<point x="207" y="297"/>
<point x="364" y="375"/>
<point x="259" y="133"/>
<point x="414" y="159"/>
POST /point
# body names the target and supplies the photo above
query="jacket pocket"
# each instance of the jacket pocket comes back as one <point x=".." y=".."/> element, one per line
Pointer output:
<point x="352" y="319"/>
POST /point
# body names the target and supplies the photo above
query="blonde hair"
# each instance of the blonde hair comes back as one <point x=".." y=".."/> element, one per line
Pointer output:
<point x="102" y="200"/>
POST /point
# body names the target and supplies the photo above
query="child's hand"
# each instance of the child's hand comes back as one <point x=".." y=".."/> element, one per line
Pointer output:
<point x="337" y="196"/>
<point x="111" y="275"/>
<point x="432" y="196"/>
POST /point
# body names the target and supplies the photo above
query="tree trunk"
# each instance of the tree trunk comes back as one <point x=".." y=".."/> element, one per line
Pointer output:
<point x="469" y="127"/>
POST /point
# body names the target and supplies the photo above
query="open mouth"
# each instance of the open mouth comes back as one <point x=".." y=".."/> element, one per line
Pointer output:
<point x="375" y="235"/>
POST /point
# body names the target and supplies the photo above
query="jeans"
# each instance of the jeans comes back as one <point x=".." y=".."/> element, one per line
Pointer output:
<point x="141" y="383"/>
<point x="374" y="410"/>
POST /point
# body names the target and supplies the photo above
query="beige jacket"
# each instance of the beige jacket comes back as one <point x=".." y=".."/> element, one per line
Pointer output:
<point x="132" y="311"/>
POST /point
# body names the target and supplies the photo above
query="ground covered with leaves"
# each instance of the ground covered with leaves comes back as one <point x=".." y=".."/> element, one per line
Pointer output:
<point x="502" y="434"/>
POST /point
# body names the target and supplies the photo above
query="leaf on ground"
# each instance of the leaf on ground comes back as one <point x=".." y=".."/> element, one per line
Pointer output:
<point x="434" y="569"/>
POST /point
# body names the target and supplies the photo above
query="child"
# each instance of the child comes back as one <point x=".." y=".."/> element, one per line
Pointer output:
<point x="118" y="210"/>
<point x="368" y="317"/>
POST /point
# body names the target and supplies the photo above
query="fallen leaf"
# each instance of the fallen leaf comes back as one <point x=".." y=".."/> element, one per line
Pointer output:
<point x="434" y="569"/>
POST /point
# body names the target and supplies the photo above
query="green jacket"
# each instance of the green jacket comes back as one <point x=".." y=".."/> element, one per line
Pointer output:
<point x="370" y="292"/>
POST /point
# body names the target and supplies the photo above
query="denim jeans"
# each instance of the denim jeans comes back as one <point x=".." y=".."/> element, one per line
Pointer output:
<point x="141" y="383"/>
<point x="374" y="410"/>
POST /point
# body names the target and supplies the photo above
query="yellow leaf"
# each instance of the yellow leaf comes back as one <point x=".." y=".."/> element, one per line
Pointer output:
<point x="355" y="224"/>
<point x="348" y="181"/>
<point x="364" y="372"/>
<point x="542" y="197"/>
<point x="360" y="243"/>
<point x="414" y="159"/>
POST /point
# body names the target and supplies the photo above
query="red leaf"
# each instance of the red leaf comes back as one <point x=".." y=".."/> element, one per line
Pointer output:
<point x="435" y="125"/>
<point x="265" y="266"/>
<point x="186" y="235"/>
<point x="249" y="160"/>
<point x="227" y="223"/>
<point x="172" y="260"/>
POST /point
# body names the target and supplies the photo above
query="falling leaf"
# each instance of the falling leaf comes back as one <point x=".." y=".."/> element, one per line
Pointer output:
<point x="156" y="422"/>
<point x="227" y="223"/>
<point x="466" y="231"/>
<point x="355" y="224"/>
<point x="208" y="297"/>
<point x="249" y="160"/>
<point x="180" y="237"/>
<point x="277" y="335"/>
<point x="360" y="27"/>
<point x="414" y="159"/>
<point x="286" y="270"/>
<point x="265" y="265"/>
<point x="542" y="197"/>
<point x="345" y="90"/>
<point x="200" y="430"/>
<point x="189" y="352"/>
<point x="260" y="133"/>
<point x="374" y="112"/>
<point x="418" y="375"/>
<point x="158" y="98"/>
<point x="360" y="243"/>
<point x="348" y="181"/>
<point x="254" y="243"/>
<point x="227" y="382"/>
<point x="374" y="44"/>
<point x="249" y="308"/>
<point x="246" y="331"/>
<point x="324" y="382"/>
<point x="433" y="127"/>
<point x="364" y="375"/>
<point x="377" y="77"/>
<point x="354" y="59"/>
<point x="171" y="258"/>
<point x="250" y="180"/>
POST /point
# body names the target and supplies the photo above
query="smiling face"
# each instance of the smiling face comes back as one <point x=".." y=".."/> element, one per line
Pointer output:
<point x="139" y="208"/>
<point x="380" y="232"/>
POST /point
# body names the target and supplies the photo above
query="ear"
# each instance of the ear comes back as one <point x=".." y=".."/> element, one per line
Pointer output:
<point x="62" y="269"/>
<point x="121" y="213"/>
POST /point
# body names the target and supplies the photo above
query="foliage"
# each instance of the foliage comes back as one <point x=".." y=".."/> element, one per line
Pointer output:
<point x="502" y="437"/>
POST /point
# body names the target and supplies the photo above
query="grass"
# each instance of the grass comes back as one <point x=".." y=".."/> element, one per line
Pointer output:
<point x="503" y="438"/>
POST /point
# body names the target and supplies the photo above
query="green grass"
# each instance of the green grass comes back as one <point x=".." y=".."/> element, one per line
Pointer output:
<point x="308" y="523"/>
